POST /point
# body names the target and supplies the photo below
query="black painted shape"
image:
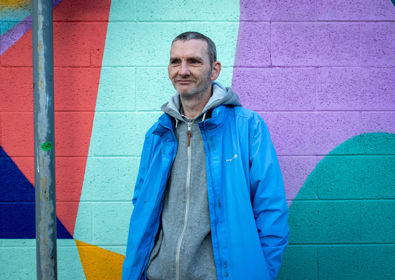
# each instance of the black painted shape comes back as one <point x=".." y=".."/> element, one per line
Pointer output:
<point x="17" y="209"/>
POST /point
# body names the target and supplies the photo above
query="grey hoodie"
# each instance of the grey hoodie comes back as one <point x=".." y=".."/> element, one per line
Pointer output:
<point x="183" y="248"/>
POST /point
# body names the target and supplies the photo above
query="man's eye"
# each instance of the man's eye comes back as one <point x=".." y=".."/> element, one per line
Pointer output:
<point x="194" y="61"/>
<point x="173" y="62"/>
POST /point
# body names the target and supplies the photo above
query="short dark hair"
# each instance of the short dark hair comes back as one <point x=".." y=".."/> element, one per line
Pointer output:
<point x="191" y="35"/>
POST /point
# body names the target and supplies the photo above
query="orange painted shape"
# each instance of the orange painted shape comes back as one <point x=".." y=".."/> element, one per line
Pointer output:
<point x="80" y="29"/>
<point x="99" y="263"/>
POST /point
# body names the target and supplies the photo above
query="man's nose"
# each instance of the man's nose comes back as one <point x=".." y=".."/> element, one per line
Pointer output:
<point x="184" y="71"/>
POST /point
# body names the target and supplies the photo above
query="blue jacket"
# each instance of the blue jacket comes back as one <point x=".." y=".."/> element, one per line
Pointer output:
<point x="247" y="204"/>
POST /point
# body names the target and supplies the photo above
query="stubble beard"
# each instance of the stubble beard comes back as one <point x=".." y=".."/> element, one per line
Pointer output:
<point x="196" y="93"/>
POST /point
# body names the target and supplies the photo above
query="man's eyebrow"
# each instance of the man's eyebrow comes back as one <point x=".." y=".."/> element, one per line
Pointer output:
<point x="198" y="58"/>
<point x="174" y="58"/>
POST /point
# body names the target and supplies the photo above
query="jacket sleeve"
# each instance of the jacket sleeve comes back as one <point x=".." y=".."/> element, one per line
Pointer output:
<point x="268" y="197"/>
<point x="143" y="168"/>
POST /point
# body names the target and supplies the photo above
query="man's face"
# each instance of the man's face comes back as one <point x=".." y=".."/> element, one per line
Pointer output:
<point x="189" y="68"/>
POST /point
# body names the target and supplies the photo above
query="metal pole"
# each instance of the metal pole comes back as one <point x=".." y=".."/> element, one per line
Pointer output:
<point x="44" y="139"/>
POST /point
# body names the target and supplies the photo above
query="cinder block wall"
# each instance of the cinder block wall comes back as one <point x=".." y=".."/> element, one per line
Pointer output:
<point x="320" y="73"/>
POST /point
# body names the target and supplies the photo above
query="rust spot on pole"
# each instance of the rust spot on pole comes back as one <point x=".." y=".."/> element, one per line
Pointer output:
<point x="44" y="183"/>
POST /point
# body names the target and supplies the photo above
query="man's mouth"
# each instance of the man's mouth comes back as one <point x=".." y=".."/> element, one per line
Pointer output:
<point x="184" y="82"/>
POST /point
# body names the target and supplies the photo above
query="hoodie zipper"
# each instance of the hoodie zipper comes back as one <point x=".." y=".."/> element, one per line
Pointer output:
<point x="189" y="134"/>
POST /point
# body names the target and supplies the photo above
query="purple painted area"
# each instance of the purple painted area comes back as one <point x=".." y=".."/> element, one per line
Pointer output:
<point x="295" y="169"/>
<point x="355" y="10"/>
<point x="378" y="43"/>
<point x="315" y="44"/>
<point x="356" y="88"/>
<point x="14" y="34"/>
<point x="316" y="84"/>
<point x="253" y="44"/>
<point x="276" y="88"/>
<point x="281" y="10"/>
<point x="378" y="122"/>
<point x="308" y="134"/>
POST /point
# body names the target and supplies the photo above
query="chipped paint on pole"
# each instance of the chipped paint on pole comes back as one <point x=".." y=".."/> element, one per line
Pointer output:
<point x="44" y="139"/>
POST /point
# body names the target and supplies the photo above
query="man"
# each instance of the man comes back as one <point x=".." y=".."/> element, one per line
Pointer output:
<point x="209" y="200"/>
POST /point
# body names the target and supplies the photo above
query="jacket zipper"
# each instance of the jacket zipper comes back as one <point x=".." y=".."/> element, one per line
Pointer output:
<point x="189" y="134"/>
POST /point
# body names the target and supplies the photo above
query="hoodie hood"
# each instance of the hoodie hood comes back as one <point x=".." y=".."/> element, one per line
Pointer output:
<point x="221" y="96"/>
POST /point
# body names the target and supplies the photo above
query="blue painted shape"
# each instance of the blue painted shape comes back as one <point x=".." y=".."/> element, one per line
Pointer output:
<point x="17" y="209"/>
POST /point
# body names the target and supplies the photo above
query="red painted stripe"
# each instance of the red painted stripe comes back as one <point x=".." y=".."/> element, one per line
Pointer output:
<point x="79" y="37"/>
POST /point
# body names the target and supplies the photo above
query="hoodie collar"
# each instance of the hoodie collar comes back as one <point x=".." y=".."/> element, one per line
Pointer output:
<point x="221" y="96"/>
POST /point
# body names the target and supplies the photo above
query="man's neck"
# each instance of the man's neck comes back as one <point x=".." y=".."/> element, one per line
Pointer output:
<point x="194" y="105"/>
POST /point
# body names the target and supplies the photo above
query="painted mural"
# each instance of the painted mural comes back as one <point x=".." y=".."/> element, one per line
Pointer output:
<point x="319" y="72"/>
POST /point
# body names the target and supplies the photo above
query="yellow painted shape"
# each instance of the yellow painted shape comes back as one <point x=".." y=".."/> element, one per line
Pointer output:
<point x="99" y="263"/>
<point x="15" y="4"/>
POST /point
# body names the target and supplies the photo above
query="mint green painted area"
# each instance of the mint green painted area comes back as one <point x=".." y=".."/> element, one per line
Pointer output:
<point x="113" y="81"/>
<point x="133" y="86"/>
<point x="179" y="10"/>
<point x="123" y="10"/>
<point x="24" y="250"/>
<point x="69" y="263"/>
<point x="116" y="249"/>
<point x="83" y="225"/>
<point x="24" y="268"/>
<point x="107" y="218"/>
<point x="345" y="209"/>
<point x="120" y="177"/>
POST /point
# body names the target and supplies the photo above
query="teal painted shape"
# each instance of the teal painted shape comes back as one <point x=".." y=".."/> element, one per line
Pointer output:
<point x="344" y="212"/>
<point x="360" y="168"/>
<point x="133" y="86"/>
<point x="365" y="262"/>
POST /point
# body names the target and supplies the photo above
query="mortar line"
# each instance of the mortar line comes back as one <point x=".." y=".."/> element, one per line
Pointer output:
<point x="391" y="67"/>
<point x="325" y="111"/>
<point x="136" y="156"/>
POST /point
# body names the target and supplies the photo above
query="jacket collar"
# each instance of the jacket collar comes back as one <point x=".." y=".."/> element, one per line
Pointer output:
<point x="166" y="122"/>
<point x="163" y="125"/>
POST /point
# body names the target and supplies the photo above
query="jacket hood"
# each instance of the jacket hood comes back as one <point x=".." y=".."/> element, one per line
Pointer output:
<point x="221" y="96"/>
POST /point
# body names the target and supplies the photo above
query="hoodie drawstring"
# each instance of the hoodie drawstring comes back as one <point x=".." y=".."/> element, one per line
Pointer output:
<point x="204" y="117"/>
<point x="176" y="123"/>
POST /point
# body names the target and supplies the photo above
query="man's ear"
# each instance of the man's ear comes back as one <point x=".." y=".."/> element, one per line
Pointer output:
<point x="216" y="70"/>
